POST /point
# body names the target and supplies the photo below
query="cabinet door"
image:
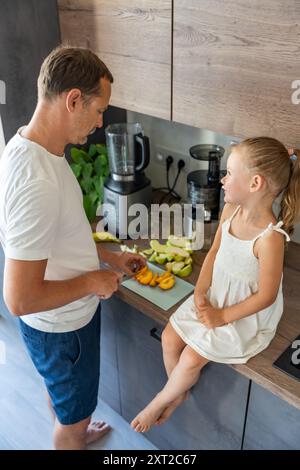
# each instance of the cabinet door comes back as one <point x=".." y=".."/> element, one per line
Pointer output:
<point x="134" y="40"/>
<point x="271" y="422"/>
<point x="213" y="416"/>
<point x="109" y="387"/>
<point x="234" y="64"/>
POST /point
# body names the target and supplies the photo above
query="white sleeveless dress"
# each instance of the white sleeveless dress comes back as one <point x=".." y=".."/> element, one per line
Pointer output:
<point x="235" y="277"/>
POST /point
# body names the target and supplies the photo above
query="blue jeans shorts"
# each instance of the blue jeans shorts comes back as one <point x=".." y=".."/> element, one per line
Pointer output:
<point x="70" y="366"/>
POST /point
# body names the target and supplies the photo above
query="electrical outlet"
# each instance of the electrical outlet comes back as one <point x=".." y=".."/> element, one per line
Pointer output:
<point x="162" y="153"/>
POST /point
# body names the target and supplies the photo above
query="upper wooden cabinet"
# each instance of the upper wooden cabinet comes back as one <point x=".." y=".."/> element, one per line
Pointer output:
<point x="134" y="40"/>
<point x="227" y="66"/>
<point x="234" y="64"/>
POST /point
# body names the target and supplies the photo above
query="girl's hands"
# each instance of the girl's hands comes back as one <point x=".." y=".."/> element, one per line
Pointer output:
<point x="198" y="299"/>
<point x="208" y="315"/>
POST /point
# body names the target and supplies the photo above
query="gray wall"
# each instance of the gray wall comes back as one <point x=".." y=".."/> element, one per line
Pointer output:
<point x="29" y="30"/>
<point x="179" y="138"/>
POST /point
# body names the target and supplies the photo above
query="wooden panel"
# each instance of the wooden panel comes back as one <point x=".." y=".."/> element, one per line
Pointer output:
<point x="134" y="40"/>
<point x="234" y="63"/>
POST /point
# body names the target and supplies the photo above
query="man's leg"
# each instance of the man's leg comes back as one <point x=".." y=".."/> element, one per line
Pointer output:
<point x="77" y="436"/>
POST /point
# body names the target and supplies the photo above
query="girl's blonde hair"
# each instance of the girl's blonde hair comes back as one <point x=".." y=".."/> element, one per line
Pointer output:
<point x="270" y="158"/>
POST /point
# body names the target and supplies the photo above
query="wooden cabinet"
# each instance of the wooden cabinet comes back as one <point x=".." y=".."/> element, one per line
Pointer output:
<point x="212" y="418"/>
<point x="271" y="422"/>
<point x="134" y="40"/>
<point x="224" y="66"/>
<point x="233" y="66"/>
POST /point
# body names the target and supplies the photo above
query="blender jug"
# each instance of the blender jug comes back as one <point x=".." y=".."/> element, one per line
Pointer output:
<point x="128" y="150"/>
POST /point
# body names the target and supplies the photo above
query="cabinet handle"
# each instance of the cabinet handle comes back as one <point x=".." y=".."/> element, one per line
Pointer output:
<point x="154" y="333"/>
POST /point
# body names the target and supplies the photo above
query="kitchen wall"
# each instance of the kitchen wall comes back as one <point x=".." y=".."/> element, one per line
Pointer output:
<point x="180" y="138"/>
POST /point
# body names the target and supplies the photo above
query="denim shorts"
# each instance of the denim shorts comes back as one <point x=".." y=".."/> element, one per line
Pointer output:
<point x="70" y="365"/>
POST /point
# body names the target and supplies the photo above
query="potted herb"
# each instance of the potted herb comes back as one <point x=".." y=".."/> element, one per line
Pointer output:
<point x="91" y="169"/>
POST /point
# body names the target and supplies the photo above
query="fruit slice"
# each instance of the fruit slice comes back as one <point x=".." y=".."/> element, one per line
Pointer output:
<point x="142" y="271"/>
<point x="167" y="283"/>
<point x="161" y="258"/>
<point x="148" y="252"/>
<point x="146" y="278"/>
<point x="153" y="256"/>
<point x="105" y="237"/>
<point x="180" y="242"/>
<point x="176" y="268"/>
<point x="169" y="266"/>
<point x="186" y="271"/>
<point x="164" y="276"/>
<point x="153" y="282"/>
<point x="156" y="246"/>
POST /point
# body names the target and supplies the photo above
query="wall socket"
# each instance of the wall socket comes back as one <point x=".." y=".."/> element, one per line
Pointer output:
<point x="162" y="153"/>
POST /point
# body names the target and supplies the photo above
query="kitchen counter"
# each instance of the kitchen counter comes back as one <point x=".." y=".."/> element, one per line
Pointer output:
<point x="259" y="368"/>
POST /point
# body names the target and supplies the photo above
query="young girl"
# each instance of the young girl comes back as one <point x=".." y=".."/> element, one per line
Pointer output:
<point x="237" y="301"/>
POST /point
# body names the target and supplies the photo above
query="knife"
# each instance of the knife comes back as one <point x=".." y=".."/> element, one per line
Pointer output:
<point x="126" y="276"/>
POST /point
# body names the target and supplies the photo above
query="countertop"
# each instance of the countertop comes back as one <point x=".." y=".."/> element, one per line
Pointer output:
<point x="259" y="368"/>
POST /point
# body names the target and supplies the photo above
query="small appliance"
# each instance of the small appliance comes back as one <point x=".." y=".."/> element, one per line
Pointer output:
<point x="204" y="185"/>
<point x="289" y="361"/>
<point x="128" y="154"/>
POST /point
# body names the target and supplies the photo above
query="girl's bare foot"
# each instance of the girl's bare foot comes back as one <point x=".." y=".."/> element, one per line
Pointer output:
<point x="96" y="430"/>
<point x="148" y="416"/>
<point x="169" y="410"/>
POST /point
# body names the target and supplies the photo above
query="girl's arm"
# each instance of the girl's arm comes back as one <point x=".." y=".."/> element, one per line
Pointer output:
<point x="205" y="276"/>
<point x="270" y="252"/>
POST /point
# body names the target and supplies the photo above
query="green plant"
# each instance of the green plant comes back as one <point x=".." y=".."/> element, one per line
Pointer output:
<point x="91" y="169"/>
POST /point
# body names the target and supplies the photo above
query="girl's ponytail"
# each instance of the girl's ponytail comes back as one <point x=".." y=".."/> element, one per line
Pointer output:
<point x="290" y="203"/>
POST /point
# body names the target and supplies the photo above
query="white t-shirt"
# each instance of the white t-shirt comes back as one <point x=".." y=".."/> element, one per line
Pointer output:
<point x="42" y="217"/>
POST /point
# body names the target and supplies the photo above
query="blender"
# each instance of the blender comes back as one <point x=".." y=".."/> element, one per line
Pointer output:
<point x="128" y="154"/>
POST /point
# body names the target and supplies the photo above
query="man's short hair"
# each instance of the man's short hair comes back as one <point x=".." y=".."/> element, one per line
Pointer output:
<point x="71" y="67"/>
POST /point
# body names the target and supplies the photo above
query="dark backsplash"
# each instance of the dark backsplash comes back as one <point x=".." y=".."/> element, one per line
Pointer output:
<point x="29" y="30"/>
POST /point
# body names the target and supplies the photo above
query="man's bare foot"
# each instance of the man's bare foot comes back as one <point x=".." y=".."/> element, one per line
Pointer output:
<point x="96" y="430"/>
<point x="169" y="410"/>
<point x="148" y="416"/>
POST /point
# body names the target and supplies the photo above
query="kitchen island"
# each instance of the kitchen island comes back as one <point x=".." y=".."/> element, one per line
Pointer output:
<point x="249" y="406"/>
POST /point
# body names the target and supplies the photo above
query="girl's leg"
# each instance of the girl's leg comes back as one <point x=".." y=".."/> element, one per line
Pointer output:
<point x="172" y="346"/>
<point x="184" y="375"/>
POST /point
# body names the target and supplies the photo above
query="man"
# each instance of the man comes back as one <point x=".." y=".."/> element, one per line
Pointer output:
<point x="52" y="279"/>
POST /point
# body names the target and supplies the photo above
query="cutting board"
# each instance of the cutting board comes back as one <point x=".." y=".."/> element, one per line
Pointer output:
<point x="164" y="299"/>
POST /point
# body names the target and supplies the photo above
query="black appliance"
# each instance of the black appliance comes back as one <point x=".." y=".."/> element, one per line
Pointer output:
<point x="289" y="361"/>
<point x="204" y="185"/>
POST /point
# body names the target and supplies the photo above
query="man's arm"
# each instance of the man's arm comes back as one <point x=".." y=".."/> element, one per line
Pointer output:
<point x="26" y="291"/>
